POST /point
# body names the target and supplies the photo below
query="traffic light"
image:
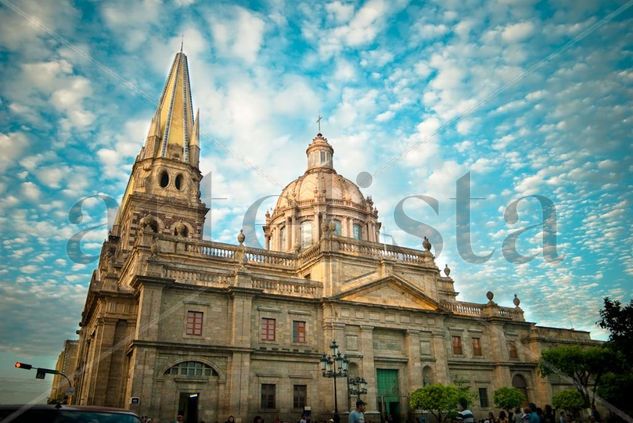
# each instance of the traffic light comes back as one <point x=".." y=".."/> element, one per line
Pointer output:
<point x="20" y="365"/>
<point x="41" y="374"/>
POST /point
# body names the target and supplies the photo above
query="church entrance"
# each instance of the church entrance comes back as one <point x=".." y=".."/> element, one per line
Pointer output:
<point x="188" y="406"/>
<point x="388" y="394"/>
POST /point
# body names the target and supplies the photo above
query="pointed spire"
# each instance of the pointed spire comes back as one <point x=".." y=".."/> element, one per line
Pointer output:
<point x="194" y="142"/>
<point x="174" y="115"/>
<point x="194" y="138"/>
<point x="154" y="127"/>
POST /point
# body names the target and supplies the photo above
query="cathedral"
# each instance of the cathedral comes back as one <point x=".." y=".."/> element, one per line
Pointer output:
<point x="173" y="323"/>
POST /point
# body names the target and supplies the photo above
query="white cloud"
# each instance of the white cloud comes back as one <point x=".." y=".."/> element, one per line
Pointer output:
<point x="30" y="191"/>
<point x="339" y="11"/>
<point x="385" y="116"/>
<point x="518" y="32"/>
<point x="429" y="31"/>
<point x="12" y="146"/>
<point x="239" y="34"/>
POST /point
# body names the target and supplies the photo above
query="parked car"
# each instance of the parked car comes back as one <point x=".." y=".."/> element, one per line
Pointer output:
<point x="40" y="413"/>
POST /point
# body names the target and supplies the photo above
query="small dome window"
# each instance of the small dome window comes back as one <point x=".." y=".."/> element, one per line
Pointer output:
<point x="358" y="231"/>
<point x="337" y="227"/>
<point x="164" y="179"/>
<point x="306" y="233"/>
<point x="178" y="182"/>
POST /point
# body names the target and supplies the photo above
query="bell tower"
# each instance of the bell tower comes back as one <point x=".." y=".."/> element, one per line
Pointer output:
<point x="163" y="192"/>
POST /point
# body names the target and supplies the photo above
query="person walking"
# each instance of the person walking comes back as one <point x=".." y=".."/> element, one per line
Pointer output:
<point x="465" y="415"/>
<point x="358" y="415"/>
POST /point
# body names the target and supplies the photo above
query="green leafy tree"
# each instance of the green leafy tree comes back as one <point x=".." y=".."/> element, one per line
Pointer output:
<point x="616" y="386"/>
<point x="508" y="398"/>
<point x="618" y="319"/>
<point x="584" y="365"/>
<point x="569" y="400"/>
<point x="440" y="400"/>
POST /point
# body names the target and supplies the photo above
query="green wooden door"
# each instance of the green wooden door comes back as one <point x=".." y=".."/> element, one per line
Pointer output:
<point x="388" y="393"/>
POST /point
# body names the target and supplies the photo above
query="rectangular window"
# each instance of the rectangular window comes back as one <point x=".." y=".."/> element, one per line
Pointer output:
<point x="512" y="350"/>
<point x="457" y="345"/>
<point x="298" y="331"/>
<point x="194" y="323"/>
<point x="268" y="329"/>
<point x="300" y="395"/>
<point x="483" y="397"/>
<point x="476" y="347"/>
<point x="268" y="395"/>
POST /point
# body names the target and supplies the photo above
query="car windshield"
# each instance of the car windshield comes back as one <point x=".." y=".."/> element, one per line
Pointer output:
<point x="65" y="416"/>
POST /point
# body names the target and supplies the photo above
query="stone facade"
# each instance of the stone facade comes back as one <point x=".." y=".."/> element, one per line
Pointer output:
<point x="213" y="329"/>
<point x="66" y="364"/>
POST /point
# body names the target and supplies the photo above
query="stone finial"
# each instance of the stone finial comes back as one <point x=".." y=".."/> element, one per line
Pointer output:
<point x="447" y="270"/>
<point x="490" y="295"/>
<point x="516" y="300"/>
<point x="426" y="244"/>
<point x="241" y="237"/>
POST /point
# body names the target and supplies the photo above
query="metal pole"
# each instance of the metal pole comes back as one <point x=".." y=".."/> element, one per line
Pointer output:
<point x="336" y="418"/>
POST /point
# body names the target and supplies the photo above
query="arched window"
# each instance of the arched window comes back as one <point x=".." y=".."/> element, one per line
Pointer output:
<point x="282" y="238"/>
<point x="306" y="233"/>
<point x="427" y="376"/>
<point x="338" y="227"/>
<point x="358" y="231"/>
<point x="191" y="369"/>
<point x="519" y="382"/>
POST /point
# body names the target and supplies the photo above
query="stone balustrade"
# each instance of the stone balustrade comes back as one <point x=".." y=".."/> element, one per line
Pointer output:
<point x="374" y="249"/>
<point x="483" y="310"/>
<point x="228" y="252"/>
<point x="295" y="288"/>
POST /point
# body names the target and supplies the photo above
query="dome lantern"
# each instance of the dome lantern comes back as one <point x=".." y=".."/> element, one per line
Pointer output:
<point x="320" y="153"/>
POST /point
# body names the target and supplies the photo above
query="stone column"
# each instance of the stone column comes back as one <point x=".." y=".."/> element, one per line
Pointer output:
<point x="238" y="377"/>
<point x="149" y="309"/>
<point x="294" y="233"/>
<point x="498" y="354"/>
<point x="368" y="367"/>
<point x="414" y="365"/>
<point x="103" y="355"/>
<point x="441" y="357"/>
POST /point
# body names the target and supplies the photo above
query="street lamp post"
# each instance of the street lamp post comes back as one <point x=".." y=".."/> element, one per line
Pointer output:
<point x="357" y="386"/>
<point x="334" y="365"/>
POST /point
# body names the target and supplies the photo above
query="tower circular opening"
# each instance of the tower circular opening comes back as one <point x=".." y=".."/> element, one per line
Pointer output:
<point x="164" y="179"/>
<point x="178" y="182"/>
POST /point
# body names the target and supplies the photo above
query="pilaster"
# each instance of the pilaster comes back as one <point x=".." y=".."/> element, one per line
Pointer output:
<point x="369" y="369"/>
<point x="414" y="365"/>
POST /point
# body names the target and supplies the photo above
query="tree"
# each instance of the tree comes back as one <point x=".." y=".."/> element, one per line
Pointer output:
<point x="440" y="400"/>
<point x="617" y="385"/>
<point x="569" y="400"/>
<point x="508" y="398"/>
<point x="584" y="365"/>
<point x="618" y="320"/>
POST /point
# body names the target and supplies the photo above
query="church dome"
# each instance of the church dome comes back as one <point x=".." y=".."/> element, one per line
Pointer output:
<point x="320" y="197"/>
<point x="309" y="186"/>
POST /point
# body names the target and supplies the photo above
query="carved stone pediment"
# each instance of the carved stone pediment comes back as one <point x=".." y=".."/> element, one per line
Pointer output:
<point x="390" y="291"/>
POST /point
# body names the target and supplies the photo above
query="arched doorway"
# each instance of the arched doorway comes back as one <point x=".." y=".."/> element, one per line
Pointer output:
<point x="519" y="382"/>
<point x="427" y="376"/>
